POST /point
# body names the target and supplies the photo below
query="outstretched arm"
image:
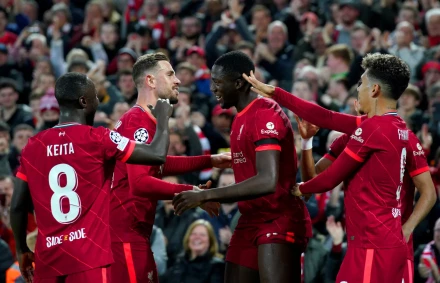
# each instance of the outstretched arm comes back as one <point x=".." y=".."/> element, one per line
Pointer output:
<point x="310" y="112"/>
<point x="177" y="165"/>
<point x="316" y="114"/>
<point x="263" y="183"/>
<point x="340" y="170"/>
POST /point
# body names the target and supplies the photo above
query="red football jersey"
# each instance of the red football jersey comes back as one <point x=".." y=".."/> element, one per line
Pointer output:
<point x="69" y="170"/>
<point x="264" y="119"/>
<point x="415" y="164"/>
<point x="127" y="210"/>
<point x="373" y="199"/>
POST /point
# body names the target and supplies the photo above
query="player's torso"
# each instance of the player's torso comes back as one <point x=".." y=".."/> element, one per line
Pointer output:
<point x="244" y="165"/>
<point x="373" y="198"/>
<point x="132" y="217"/>
<point x="69" y="183"/>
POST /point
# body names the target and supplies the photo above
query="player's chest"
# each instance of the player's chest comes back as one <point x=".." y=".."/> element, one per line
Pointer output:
<point x="242" y="148"/>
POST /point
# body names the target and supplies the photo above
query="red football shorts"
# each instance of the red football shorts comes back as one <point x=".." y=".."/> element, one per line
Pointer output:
<point x="373" y="265"/>
<point x="96" y="275"/>
<point x="243" y="248"/>
<point x="134" y="262"/>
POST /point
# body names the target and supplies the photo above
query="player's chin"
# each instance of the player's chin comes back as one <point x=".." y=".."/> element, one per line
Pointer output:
<point x="173" y="100"/>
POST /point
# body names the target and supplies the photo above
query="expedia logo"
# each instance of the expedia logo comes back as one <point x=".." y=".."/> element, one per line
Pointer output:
<point x="356" y="135"/>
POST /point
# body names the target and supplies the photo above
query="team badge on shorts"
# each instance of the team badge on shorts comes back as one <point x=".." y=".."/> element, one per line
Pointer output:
<point x="141" y="135"/>
<point x="115" y="137"/>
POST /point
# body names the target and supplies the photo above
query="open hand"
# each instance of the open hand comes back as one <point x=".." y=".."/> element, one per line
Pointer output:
<point x="222" y="160"/>
<point x="306" y="129"/>
<point x="187" y="200"/>
<point x="259" y="87"/>
<point x="27" y="260"/>
<point x="335" y="230"/>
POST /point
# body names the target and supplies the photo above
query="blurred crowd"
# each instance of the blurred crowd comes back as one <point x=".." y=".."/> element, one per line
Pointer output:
<point x="312" y="48"/>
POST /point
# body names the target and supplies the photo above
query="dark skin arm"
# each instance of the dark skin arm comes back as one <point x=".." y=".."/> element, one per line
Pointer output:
<point x="263" y="183"/>
<point x="155" y="153"/>
<point x="425" y="186"/>
<point x="20" y="204"/>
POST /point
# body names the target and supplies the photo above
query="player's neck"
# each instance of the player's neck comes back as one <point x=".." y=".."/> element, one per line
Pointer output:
<point x="383" y="106"/>
<point x="146" y="98"/>
<point x="245" y="100"/>
<point x="72" y="116"/>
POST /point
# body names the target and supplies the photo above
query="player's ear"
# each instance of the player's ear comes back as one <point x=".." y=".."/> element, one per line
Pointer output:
<point x="82" y="102"/>
<point x="150" y="80"/>
<point x="239" y="83"/>
<point x="375" y="90"/>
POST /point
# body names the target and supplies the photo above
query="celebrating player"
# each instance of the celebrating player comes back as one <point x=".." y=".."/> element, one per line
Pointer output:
<point x="136" y="188"/>
<point x="65" y="173"/>
<point x="274" y="227"/>
<point x="416" y="173"/>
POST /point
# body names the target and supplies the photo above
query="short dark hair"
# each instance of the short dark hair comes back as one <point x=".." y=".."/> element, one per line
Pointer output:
<point x="22" y="127"/>
<point x="70" y="87"/>
<point x="6" y="83"/>
<point x="124" y="73"/>
<point x="391" y="72"/>
<point x="5" y="12"/>
<point x="145" y="63"/>
<point x="235" y="63"/>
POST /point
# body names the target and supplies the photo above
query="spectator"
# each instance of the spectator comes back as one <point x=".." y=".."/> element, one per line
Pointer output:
<point x="49" y="111"/>
<point x="20" y="137"/>
<point x="200" y="262"/>
<point x="173" y="227"/>
<point x="5" y="169"/>
<point x="221" y="224"/>
<point x="126" y="86"/>
<point x="158" y="247"/>
<point x="12" y="113"/>
<point x="339" y="58"/>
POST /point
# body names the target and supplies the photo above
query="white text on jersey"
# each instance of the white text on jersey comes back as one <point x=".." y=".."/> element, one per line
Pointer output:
<point x="72" y="236"/>
<point x="60" y="149"/>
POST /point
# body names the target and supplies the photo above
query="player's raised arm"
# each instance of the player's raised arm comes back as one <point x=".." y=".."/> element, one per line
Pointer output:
<point x="155" y="153"/>
<point x="263" y="183"/>
<point x="308" y="111"/>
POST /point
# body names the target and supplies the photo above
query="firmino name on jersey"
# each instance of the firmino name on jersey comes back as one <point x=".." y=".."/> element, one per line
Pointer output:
<point x="60" y="149"/>
<point x="72" y="236"/>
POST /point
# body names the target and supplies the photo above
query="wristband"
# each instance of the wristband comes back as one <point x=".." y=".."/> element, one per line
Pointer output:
<point x="307" y="143"/>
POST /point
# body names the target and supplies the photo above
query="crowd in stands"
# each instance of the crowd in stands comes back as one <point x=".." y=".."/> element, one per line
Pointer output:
<point x="312" y="48"/>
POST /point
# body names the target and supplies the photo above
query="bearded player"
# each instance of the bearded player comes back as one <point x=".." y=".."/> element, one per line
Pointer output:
<point x="136" y="189"/>
<point x="65" y="173"/>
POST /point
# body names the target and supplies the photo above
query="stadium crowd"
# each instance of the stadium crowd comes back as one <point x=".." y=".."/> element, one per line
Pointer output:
<point x="312" y="48"/>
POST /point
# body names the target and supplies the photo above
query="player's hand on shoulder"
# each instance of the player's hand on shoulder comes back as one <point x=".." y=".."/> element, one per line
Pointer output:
<point x="259" y="87"/>
<point x="162" y="110"/>
<point x="27" y="260"/>
<point x="222" y="160"/>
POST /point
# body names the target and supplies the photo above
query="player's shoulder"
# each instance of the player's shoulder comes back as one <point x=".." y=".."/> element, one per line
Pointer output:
<point x="344" y="138"/>
<point x="264" y="102"/>
<point x="134" y="118"/>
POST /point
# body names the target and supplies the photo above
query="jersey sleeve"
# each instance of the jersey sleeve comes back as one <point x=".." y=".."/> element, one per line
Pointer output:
<point x="416" y="159"/>
<point x="364" y="140"/>
<point x="337" y="147"/>
<point x="142" y="178"/>
<point x="21" y="172"/>
<point x="267" y="129"/>
<point x="116" y="146"/>
<point x="316" y="114"/>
